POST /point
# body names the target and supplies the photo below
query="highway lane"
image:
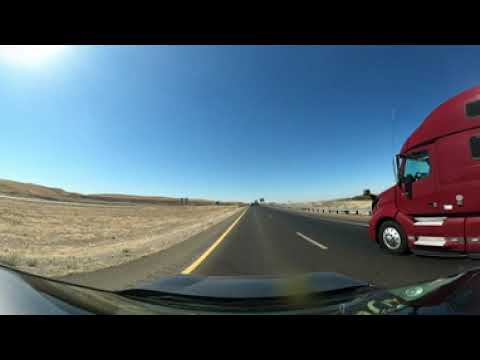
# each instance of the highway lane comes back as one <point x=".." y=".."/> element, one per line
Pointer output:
<point x="270" y="241"/>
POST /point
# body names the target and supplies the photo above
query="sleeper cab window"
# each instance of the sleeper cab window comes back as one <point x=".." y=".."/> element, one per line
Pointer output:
<point x="475" y="147"/>
<point x="472" y="109"/>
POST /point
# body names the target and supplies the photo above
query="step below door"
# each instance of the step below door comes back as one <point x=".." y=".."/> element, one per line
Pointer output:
<point x="435" y="234"/>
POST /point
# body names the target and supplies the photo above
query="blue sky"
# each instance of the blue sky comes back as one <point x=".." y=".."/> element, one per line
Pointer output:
<point x="222" y="122"/>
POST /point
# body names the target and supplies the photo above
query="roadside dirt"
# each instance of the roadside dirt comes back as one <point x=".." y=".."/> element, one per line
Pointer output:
<point x="363" y="206"/>
<point x="345" y="204"/>
<point x="57" y="240"/>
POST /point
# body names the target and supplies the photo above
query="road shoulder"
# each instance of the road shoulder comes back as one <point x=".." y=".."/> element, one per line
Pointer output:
<point x="361" y="219"/>
<point x="167" y="262"/>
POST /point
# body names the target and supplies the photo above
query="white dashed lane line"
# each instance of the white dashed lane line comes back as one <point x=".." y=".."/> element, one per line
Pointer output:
<point x="304" y="237"/>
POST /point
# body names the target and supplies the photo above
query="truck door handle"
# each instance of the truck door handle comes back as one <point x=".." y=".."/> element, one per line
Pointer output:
<point x="433" y="204"/>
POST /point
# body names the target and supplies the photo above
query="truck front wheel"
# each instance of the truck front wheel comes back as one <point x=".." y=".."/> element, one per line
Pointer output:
<point x="392" y="238"/>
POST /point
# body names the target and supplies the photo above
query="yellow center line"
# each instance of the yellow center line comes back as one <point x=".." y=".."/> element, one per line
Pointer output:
<point x="202" y="257"/>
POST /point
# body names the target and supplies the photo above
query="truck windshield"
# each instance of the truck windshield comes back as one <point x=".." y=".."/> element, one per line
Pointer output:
<point x="417" y="165"/>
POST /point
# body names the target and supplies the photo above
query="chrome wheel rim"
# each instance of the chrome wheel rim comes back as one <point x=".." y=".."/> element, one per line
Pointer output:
<point x="391" y="238"/>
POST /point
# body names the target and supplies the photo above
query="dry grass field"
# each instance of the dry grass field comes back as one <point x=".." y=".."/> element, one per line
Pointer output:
<point x="53" y="239"/>
<point x="40" y="192"/>
<point x="345" y="204"/>
<point x="363" y="205"/>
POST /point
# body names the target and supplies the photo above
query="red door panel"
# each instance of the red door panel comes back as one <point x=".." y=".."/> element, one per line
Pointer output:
<point x="459" y="172"/>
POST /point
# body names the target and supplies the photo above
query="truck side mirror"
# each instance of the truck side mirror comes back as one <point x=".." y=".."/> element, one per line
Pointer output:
<point x="408" y="181"/>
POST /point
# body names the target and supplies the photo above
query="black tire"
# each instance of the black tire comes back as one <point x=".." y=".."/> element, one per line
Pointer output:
<point x="402" y="249"/>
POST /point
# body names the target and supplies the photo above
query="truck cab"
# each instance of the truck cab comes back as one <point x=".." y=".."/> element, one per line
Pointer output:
<point x="434" y="208"/>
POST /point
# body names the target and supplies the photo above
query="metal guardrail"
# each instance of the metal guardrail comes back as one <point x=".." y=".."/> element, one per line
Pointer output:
<point x="339" y="211"/>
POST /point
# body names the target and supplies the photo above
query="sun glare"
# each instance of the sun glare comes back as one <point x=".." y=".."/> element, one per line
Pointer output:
<point x="29" y="54"/>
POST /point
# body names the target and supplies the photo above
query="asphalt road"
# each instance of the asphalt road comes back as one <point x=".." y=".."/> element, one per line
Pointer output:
<point x="276" y="242"/>
<point x="270" y="241"/>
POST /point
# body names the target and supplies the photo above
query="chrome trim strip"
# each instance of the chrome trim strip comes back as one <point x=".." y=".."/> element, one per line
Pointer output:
<point x="429" y="221"/>
<point x="430" y="241"/>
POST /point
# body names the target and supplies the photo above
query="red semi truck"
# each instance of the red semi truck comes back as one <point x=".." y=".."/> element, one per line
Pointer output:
<point x="434" y="208"/>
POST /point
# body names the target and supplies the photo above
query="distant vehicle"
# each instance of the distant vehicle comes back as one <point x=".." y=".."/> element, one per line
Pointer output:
<point x="434" y="209"/>
<point x="255" y="203"/>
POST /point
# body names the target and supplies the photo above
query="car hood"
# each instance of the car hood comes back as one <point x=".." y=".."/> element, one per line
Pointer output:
<point x="252" y="287"/>
<point x="23" y="293"/>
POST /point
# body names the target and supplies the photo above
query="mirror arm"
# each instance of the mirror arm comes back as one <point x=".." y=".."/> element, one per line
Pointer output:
<point x="409" y="187"/>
